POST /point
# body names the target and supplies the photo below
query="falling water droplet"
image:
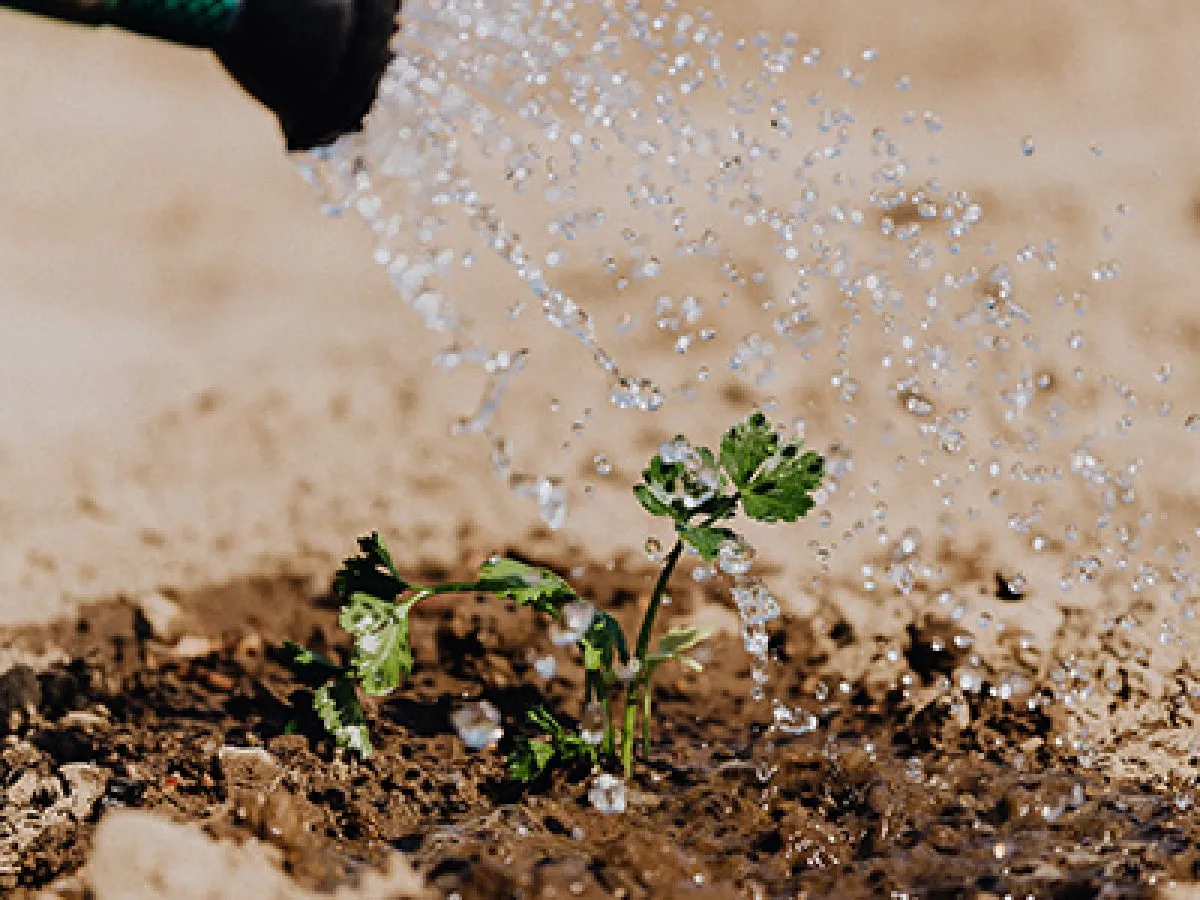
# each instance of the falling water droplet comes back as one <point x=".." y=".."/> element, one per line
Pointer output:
<point x="574" y="621"/>
<point x="607" y="794"/>
<point x="591" y="725"/>
<point x="735" y="557"/>
<point x="478" y="724"/>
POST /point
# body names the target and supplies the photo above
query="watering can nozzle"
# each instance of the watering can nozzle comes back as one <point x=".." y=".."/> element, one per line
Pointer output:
<point x="316" y="64"/>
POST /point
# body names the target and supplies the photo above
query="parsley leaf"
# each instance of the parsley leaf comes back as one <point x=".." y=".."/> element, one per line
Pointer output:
<point x="781" y="491"/>
<point x="718" y="507"/>
<point x="527" y="585"/>
<point x="677" y="491"/>
<point x="674" y="645"/>
<point x="336" y="702"/>
<point x="774" y="480"/>
<point x="651" y="503"/>
<point x="601" y="641"/>
<point x="371" y="572"/>
<point x="659" y="492"/>
<point x="705" y="539"/>
<point x="530" y="759"/>
<point x="746" y="446"/>
<point x="382" y="654"/>
<point x="557" y="748"/>
<point x="309" y="666"/>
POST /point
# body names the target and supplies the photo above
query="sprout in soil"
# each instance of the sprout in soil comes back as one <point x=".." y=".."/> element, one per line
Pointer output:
<point x="755" y="472"/>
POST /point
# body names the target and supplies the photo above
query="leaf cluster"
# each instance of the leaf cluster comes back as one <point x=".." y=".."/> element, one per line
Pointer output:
<point x="375" y="605"/>
<point x="335" y="699"/>
<point x="553" y="748"/>
<point x="756" y="471"/>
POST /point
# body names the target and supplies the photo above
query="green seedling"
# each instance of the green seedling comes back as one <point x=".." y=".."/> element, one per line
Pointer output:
<point x="755" y="473"/>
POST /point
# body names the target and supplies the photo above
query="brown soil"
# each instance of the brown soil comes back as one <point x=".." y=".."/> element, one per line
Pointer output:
<point x="892" y="793"/>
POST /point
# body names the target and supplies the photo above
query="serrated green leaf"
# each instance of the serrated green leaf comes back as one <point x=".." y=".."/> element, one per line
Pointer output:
<point x="705" y="539"/>
<point x="371" y="572"/>
<point x="308" y="666"/>
<point x="375" y="548"/>
<point x="746" y="446"/>
<point x="602" y="642"/>
<point x="527" y="585"/>
<point x="651" y="503"/>
<point x="674" y="491"/>
<point x="364" y="612"/>
<point x="782" y="489"/>
<point x="682" y="638"/>
<point x="662" y="473"/>
<point x="720" y="506"/>
<point x="336" y="703"/>
<point x="674" y="645"/>
<point x="296" y="656"/>
<point x="658" y="493"/>
<point x="382" y="654"/>
<point x="531" y="758"/>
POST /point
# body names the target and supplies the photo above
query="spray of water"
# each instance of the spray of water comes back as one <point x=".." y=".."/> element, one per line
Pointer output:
<point x="621" y="203"/>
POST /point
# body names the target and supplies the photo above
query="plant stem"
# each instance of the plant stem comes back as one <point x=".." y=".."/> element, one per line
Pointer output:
<point x="643" y="644"/>
<point x="627" y="734"/>
<point x="647" y="700"/>
<point x="451" y="587"/>
<point x="610" y="737"/>
<point x="660" y="586"/>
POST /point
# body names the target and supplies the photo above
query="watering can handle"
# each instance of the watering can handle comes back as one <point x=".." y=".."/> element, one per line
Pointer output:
<point x="316" y="64"/>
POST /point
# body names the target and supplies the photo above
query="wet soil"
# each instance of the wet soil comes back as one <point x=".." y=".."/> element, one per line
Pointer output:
<point x="905" y="788"/>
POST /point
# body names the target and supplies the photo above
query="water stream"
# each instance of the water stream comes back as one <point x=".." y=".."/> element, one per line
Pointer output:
<point x="619" y="220"/>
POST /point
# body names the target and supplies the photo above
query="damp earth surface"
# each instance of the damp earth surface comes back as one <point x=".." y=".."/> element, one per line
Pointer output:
<point x="950" y="253"/>
<point x="897" y="786"/>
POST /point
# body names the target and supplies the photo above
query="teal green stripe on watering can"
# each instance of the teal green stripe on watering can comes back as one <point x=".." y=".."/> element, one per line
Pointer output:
<point x="196" y="23"/>
<point x="200" y="23"/>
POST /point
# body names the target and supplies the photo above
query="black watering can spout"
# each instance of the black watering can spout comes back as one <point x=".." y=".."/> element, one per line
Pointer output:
<point x="316" y="64"/>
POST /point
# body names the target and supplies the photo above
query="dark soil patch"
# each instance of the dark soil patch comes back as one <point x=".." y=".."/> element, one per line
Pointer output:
<point x="901" y="788"/>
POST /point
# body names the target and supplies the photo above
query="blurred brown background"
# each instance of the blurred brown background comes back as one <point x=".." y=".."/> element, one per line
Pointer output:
<point x="200" y="377"/>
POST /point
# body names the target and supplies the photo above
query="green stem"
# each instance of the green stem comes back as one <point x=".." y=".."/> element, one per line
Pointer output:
<point x="610" y="737"/>
<point x="451" y="587"/>
<point x="643" y="644"/>
<point x="660" y="587"/>
<point x="627" y="735"/>
<point x="647" y="699"/>
<point x="418" y="592"/>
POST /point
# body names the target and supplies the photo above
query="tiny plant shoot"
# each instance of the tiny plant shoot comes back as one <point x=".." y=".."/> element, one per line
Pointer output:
<point x="755" y="473"/>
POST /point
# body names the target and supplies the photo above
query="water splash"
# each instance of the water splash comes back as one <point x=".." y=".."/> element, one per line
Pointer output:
<point x="679" y="220"/>
<point x="607" y="794"/>
<point x="478" y="724"/>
